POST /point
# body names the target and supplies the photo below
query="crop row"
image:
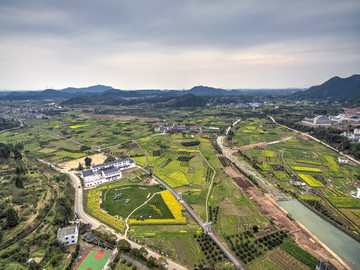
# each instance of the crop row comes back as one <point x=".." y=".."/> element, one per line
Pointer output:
<point x="225" y="161"/>
<point x="185" y="158"/>
<point x="208" y="174"/>
<point x="213" y="214"/>
<point x="306" y="169"/>
<point x="209" y="248"/>
<point x="246" y="247"/>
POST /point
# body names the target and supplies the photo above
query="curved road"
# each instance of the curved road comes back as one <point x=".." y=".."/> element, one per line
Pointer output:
<point x="95" y="223"/>
<point x="87" y="219"/>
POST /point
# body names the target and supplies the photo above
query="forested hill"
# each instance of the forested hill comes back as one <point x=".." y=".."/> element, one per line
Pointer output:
<point x="334" y="89"/>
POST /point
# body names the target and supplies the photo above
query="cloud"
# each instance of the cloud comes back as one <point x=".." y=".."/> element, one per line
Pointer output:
<point x="175" y="44"/>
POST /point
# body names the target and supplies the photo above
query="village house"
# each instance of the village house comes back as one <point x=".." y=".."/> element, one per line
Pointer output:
<point x="318" y="121"/>
<point x="68" y="235"/>
<point x="343" y="160"/>
<point x="106" y="172"/>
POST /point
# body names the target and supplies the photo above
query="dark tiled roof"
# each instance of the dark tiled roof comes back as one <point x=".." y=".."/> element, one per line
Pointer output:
<point x="87" y="173"/>
<point x="110" y="170"/>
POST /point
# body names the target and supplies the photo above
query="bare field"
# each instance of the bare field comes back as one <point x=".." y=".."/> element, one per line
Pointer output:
<point x="96" y="159"/>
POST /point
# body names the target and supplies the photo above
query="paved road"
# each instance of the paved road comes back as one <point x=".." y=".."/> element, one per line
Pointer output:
<point x="96" y="223"/>
<point x="87" y="219"/>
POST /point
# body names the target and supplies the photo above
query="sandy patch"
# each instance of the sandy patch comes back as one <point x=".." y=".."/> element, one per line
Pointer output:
<point x="68" y="165"/>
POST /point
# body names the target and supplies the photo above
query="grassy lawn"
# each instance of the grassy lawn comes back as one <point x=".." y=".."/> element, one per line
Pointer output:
<point x="137" y="195"/>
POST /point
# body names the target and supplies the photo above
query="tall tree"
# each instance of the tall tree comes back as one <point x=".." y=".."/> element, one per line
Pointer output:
<point x="17" y="154"/>
<point x="18" y="179"/>
<point x="109" y="159"/>
<point x="80" y="167"/>
<point x="88" y="161"/>
<point x="161" y="263"/>
<point x="143" y="253"/>
<point x="123" y="245"/>
<point x="63" y="211"/>
<point x="11" y="217"/>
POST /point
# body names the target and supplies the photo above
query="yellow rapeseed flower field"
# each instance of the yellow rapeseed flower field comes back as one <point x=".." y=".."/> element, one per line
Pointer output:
<point x="174" y="206"/>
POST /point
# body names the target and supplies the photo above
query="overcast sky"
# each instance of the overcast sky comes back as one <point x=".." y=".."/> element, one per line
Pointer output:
<point x="176" y="44"/>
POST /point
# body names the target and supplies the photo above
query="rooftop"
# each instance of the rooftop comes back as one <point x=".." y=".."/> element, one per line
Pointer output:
<point x="110" y="170"/>
<point x="87" y="173"/>
<point x="62" y="232"/>
<point x="110" y="163"/>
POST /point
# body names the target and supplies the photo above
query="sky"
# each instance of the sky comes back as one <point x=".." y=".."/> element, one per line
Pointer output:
<point x="177" y="44"/>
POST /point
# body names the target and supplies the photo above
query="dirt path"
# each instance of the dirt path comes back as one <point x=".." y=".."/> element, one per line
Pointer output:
<point x="262" y="144"/>
<point x="210" y="187"/>
<point x="126" y="220"/>
<point x="316" y="139"/>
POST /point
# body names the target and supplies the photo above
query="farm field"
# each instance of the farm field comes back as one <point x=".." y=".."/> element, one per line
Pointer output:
<point x="254" y="130"/>
<point x="95" y="131"/>
<point x="161" y="223"/>
<point x="43" y="145"/>
<point x="179" y="243"/>
<point x="300" y="160"/>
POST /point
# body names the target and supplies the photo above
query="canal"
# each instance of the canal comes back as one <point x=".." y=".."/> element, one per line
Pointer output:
<point x="343" y="245"/>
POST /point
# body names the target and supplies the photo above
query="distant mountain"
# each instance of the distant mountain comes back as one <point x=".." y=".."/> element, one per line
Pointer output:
<point x="101" y="94"/>
<point x="207" y="91"/>
<point x="334" y="89"/>
<point x="96" y="89"/>
<point x="188" y="100"/>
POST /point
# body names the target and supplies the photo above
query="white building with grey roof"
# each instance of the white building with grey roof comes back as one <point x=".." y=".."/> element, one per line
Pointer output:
<point x="106" y="172"/>
<point x="68" y="235"/>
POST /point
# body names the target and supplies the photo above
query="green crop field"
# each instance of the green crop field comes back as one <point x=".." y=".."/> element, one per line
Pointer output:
<point x="300" y="254"/>
<point x="198" y="171"/>
<point x="136" y="195"/>
<point x="254" y="130"/>
<point x="342" y="202"/>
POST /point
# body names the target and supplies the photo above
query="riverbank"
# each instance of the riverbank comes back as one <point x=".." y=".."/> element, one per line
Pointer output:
<point x="269" y="207"/>
<point x="339" y="263"/>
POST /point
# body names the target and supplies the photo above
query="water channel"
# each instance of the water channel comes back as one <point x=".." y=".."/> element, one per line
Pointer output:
<point x="343" y="245"/>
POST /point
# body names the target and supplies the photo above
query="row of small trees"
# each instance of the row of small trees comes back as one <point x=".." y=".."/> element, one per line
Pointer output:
<point x="140" y="254"/>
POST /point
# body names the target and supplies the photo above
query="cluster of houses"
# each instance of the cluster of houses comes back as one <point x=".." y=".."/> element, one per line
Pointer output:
<point x="163" y="127"/>
<point x="106" y="172"/>
<point x="236" y="105"/>
<point x="354" y="135"/>
<point x="25" y="112"/>
<point x="328" y="121"/>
